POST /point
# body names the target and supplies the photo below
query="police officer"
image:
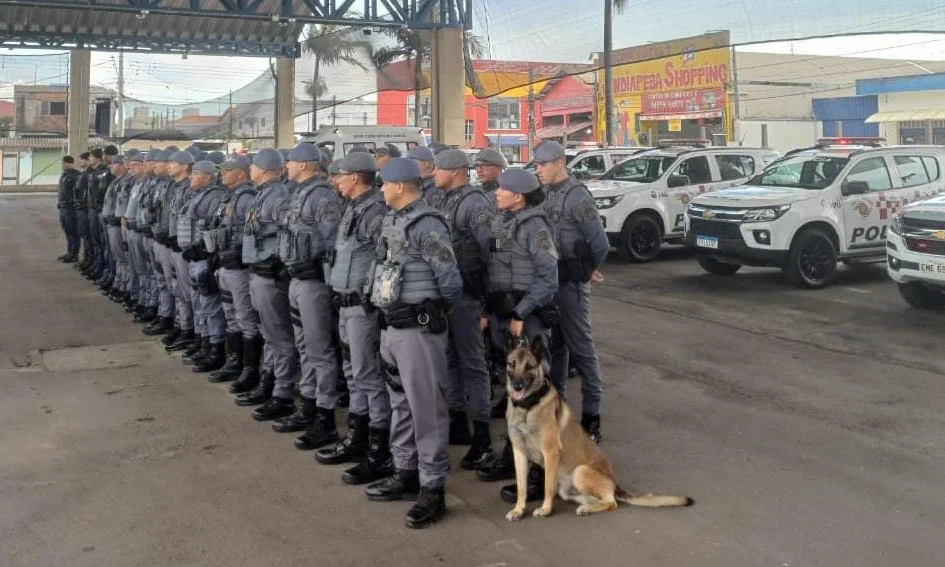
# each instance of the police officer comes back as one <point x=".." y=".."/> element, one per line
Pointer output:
<point x="244" y="345"/>
<point x="425" y="159"/>
<point x="415" y="283"/>
<point x="489" y="165"/>
<point x="134" y="239"/>
<point x="121" y="289"/>
<point x="178" y="196"/>
<point x="469" y="215"/>
<point x="369" y="413"/>
<point x="96" y="272"/>
<point x="82" y="213"/>
<point x="121" y="206"/>
<point x="582" y="246"/>
<point x="269" y="289"/>
<point x="163" y="270"/>
<point x="305" y="243"/>
<point x="102" y="178"/>
<point x="67" y="209"/>
<point x="382" y="155"/>
<point x="209" y="322"/>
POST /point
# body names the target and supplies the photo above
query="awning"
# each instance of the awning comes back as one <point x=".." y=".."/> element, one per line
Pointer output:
<point x="561" y="131"/>
<point x="683" y="116"/>
<point x="906" y="116"/>
<point x="508" y="139"/>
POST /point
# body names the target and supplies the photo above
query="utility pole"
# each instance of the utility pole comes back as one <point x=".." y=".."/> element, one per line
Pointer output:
<point x="121" y="94"/>
<point x="609" y="71"/>
<point x="531" y="109"/>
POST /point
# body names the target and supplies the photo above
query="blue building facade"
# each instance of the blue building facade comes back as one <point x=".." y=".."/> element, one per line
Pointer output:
<point x="846" y="115"/>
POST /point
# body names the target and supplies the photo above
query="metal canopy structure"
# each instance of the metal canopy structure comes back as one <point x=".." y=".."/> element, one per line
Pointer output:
<point x="261" y="28"/>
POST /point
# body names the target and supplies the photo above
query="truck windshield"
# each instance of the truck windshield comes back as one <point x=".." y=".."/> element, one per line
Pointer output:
<point x="642" y="170"/>
<point x="803" y="172"/>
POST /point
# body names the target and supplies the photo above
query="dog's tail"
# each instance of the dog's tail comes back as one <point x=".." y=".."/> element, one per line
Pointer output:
<point x="650" y="500"/>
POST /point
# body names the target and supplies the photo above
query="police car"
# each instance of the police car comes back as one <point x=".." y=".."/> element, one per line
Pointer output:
<point x="642" y="200"/>
<point x="915" y="253"/>
<point x="813" y="208"/>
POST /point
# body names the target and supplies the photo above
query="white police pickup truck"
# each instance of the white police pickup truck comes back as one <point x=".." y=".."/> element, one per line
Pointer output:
<point x="642" y="200"/>
<point x="915" y="253"/>
<point x="812" y="209"/>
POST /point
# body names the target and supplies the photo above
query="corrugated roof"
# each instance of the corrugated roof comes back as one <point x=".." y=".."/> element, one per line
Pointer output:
<point x="44" y="143"/>
<point x="93" y="90"/>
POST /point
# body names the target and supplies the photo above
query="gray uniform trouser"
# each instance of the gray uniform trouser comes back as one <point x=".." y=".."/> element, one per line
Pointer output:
<point x="271" y="300"/>
<point x="163" y="279"/>
<point x="360" y="339"/>
<point x="105" y="249"/>
<point x="573" y="338"/>
<point x="122" y="271"/>
<point x="146" y="244"/>
<point x="310" y="309"/>
<point x="140" y="264"/>
<point x="420" y="420"/>
<point x="237" y="306"/>
<point x="467" y="384"/>
<point x="131" y="246"/>
<point x="533" y="330"/>
<point x="208" y="308"/>
<point x="183" y="291"/>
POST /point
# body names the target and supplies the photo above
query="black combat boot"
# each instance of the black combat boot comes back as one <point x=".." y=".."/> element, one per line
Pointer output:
<point x="130" y="303"/>
<point x="137" y="310"/>
<point x="146" y="315"/>
<point x="352" y="447"/>
<point x="591" y="424"/>
<point x="535" y="487"/>
<point x="377" y="464"/>
<point x="430" y="507"/>
<point x="213" y="360"/>
<point x="260" y="394"/>
<point x="302" y="419"/>
<point x="197" y="351"/>
<point x="171" y="337"/>
<point x="233" y="366"/>
<point x="403" y="485"/>
<point x="274" y="408"/>
<point x="249" y="377"/>
<point x="502" y="468"/>
<point x="183" y="342"/>
<point x="459" y="428"/>
<point x="480" y="453"/>
<point x="160" y="326"/>
<point x="321" y="433"/>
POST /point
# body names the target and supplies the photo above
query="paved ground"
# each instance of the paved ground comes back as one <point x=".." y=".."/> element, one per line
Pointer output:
<point x="806" y="424"/>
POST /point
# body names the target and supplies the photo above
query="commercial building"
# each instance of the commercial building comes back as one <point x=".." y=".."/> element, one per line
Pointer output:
<point x="909" y="109"/>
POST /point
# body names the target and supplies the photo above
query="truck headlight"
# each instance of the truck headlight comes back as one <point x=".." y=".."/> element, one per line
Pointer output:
<point x="765" y="214"/>
<point x="607" y="202"/>
<point x="895" y="226"/>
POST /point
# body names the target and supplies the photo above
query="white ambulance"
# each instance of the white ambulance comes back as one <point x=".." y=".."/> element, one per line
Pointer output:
<point x="915" y="253"/>
<point x="813" y="208"/>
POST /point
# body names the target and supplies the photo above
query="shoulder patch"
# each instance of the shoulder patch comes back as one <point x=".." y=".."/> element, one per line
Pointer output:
<point x="436" y="249"/>
<point x="543" y="243"/>
<point x="584" y="210"/>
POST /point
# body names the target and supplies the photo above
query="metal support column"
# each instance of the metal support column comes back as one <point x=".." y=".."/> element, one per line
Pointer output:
<point x="449" y="108"/>
<point x="285" y="100"/>
<point x="80" y="68"/>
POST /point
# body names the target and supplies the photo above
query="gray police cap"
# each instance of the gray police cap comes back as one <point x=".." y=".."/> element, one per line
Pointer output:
<point x="334" y="168"/>
<point x="388" y="150"/>
<point x="184" y="158"/>
<point x="118" y="160"/>
<point x="138" y="157"/>
<point x="216" y="157"/>
<point x="236" y="162"/>
<point x="268" y="159"/>
<point x="548" y="151"/>
<point x="437" y="147"/>
<point x="171" y="149"/>
<point x="304" y="152"/>
<point x="421" y="153"/>
<point x="518" y="180"/>
<point x="358" y="161"/>
<point x="400" y="169"/>
<point x="494" y="157"/>
<point x="205" y="166"/>
<point x="452" y="159"/>
<point x="159" y="155"/>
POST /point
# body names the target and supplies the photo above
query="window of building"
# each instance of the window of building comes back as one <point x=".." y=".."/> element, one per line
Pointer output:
<point x="262" y="122"/>
<point x="470" y="131"/>
<point x="54" y="108"/>
<point x="505" y="114"/>
<point x="426" y="111"/>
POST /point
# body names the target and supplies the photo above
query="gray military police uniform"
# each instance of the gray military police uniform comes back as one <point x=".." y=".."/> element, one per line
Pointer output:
<point x="415" y="280"/>
<point x="134" y="238"/>
<point x="111" y="211"/>
<point x="142" y="219"/>
<point x="582" y="246"/>
<point x="159" y="214"/>
<point x="122" y="197"/>
<point x="183" y="288"/>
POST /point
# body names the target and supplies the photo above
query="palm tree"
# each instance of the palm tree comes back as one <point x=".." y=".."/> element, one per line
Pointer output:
<point x="331" y="45"/>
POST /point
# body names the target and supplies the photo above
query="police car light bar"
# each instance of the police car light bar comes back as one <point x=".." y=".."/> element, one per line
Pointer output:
<point x="677" y="142"/>
<point x="873" y="141"/>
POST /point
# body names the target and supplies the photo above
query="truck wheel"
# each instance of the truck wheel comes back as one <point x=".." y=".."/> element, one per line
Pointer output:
<point x="922" y="297"/>
<point x="715" y="267"/>
<point x="812" y="261"/>
<point x="640" y="239"/>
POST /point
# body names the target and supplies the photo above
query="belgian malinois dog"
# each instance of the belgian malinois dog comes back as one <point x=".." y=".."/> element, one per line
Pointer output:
<point x="543" y="431"/>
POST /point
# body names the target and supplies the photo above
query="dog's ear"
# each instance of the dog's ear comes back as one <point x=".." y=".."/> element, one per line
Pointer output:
<point x="537" y="349"/>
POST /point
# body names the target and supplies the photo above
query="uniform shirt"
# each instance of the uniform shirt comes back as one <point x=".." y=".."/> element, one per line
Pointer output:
<point x="580" y="212"/>
<point x="134" y="199"/>
<point x="82" y="189"/>
<point x="365" y="233"/>
<point x="429" y="190"/>
<point x="67" y="189"/>
<point x="536" y="237"/>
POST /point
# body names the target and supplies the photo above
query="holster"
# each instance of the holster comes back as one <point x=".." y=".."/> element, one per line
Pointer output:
<point x="313" y="270"/>
<point x="550" y="316"/>
<point x="207" y="283"/>
<point x="268" y="268"/>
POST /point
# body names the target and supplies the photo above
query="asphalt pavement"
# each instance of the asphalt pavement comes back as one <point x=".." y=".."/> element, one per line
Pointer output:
<point x="807" y="426"/>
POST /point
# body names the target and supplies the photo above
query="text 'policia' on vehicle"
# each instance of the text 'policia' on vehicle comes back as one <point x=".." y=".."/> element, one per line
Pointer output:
<point x="813" y="208"/>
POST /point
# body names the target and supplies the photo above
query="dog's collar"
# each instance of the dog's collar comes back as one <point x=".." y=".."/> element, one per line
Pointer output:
<point x="531" y="400"/>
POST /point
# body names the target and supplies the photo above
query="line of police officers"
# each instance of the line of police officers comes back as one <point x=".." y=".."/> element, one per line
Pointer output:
<point x="386" y="284"/>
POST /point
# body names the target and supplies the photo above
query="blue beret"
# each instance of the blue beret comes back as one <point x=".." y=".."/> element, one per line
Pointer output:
<point x="548" y="151"/>
<point x="304" y="152"/>
<point x="216" y="157"/>
<point x="182" y="157"/>
<point x="494" y="157"/>
<point x="518" y="180"/>
<point x="268" y="159"/>
<point x="236" y="162"/>
<point x="205" y="166"/>
<point x="358" y="161"/>
<point x="452" y="159"/>
<point x="421" y="153"/>
<point x="388" y="150"/>
<point x="118" y="160"/>
<point x="401" y="169"/>
<point x="334" y="168"/>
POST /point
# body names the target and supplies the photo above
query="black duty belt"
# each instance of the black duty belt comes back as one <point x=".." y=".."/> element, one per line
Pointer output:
<point x="311" y="271"/>
<point x="352" y="299"/>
